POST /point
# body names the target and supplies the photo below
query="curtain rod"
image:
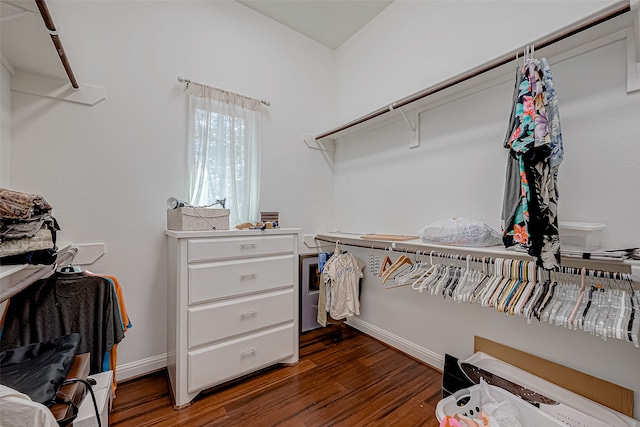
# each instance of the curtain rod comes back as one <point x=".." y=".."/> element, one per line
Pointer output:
<point x="609" y="14"/>
<point x="188" y="82"/>
<point x="566" y="270"/>
<point x="48" y="22"/>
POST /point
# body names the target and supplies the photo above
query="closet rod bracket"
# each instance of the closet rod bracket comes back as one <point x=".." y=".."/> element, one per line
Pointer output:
<point x="311" y="142"/>
<point x="414" y="140"/>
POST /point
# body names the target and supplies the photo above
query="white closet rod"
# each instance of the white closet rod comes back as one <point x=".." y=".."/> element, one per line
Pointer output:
<point x="610" y="13"/>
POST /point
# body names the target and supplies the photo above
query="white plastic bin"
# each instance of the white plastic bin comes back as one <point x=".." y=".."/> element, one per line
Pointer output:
<point x="582" y="236"/>
<point x="455" y="404"/>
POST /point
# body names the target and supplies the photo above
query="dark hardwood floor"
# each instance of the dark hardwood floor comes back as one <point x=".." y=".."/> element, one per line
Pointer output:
<point x="344" y="378"/>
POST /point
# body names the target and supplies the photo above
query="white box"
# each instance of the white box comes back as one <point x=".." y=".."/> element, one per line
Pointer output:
<point x="197" y="219"/>
<point x="102" y="390"/>
<point x="584" y="236"/>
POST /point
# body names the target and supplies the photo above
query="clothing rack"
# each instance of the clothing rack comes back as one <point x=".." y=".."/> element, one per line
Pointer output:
<point x="615" y="275"/>
<point x="516" y="288"/>
<point x="607" y="15"/>
<point x="43" y="272"/>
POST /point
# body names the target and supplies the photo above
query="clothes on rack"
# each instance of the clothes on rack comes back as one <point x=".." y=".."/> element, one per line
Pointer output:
<point x="27" y="229"/>
<point x="340" y="287"/>
<point x="91" y="305"/>
<point x="110" y="363"/>
<point x="603" y="308"/>
<point x="534" y="139"/>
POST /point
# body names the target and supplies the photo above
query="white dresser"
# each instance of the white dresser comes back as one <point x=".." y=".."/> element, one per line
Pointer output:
<point x="232" y="305"/>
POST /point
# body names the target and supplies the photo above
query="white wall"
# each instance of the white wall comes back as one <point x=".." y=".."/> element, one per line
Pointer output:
<point x="413" y="45"/>
<point x="5" y="126"/>
<point x="107" y="170"/>
<point x="384" y="186"/>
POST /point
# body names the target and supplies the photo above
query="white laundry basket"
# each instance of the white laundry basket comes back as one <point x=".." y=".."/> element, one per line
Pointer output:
<point x="467" y="402"/>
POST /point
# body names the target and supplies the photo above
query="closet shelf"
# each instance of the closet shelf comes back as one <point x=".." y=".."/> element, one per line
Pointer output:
<point x="328" y="240"/>
<point x="414" y="101"/>
<point x="7" y="271"/>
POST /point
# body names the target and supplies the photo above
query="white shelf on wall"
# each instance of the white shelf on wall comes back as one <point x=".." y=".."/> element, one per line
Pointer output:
<point x="11" y="275"/>
<point x="9" y="270"/>
<point x="620" y="20"/>
<point x="353" y="239"/>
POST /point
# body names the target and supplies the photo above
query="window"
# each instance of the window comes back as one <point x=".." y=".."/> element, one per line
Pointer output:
<point x="224" y="152"/>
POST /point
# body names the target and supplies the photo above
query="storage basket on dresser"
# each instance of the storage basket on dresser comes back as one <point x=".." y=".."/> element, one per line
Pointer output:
<point x="232" y="306"/>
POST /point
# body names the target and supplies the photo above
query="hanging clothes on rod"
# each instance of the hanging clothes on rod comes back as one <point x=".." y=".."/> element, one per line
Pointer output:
<point x="534" y="139"/>
<point x="70" y="301"/>
<point x="602" y="303"/>
<point x="339" y="295"/>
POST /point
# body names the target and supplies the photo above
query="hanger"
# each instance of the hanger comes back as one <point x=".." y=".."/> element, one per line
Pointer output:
<point x="417" y="269"/>
<point x="385" y="264"/>
<point x="70" y="268"/>
<point x="394" y="267"/>
<point x="483" y="278"/>
<point x="426" y="272"/>
<point x="572" y="316"/>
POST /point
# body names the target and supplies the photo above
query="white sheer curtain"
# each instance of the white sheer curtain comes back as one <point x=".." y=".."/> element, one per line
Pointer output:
<point x="224" y="151"/>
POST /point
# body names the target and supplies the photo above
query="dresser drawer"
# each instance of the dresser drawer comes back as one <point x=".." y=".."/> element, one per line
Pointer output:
<point x="228" y="318"/>
<point x="211" y="281"/>
<point x="236" y="247"/>
<point x="212" y="365"/>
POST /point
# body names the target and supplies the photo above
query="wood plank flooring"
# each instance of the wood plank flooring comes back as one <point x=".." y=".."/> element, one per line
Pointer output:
<point x="344" y="378"/>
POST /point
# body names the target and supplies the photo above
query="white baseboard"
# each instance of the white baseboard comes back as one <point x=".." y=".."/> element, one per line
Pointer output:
<point x="423" y="354"/>
<point x="141" y="367"/>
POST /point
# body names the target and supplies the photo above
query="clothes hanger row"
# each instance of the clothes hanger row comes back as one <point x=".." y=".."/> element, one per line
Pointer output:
<point x="604" y="307"/>
<point x="601" y="303"/>
<point x="487" y="262"/>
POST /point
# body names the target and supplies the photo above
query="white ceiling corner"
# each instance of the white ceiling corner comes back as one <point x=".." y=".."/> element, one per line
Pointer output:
<point x="329" y="22"/>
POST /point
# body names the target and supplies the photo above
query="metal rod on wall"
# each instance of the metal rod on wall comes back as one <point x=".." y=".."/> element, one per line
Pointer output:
<point x="48" y="22"/>
<point x="610" y="14"/>
<point x="567" y="270"/>
<point x="188" y="82"/>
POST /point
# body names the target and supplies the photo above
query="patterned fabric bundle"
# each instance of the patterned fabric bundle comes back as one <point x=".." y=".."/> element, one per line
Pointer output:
<point x="534" y="140"/>
<point x="17" y="205"/>
<point x="27" y="229"/>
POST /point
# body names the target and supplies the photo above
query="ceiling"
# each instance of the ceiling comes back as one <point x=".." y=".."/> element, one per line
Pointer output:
<point x="329" y="22"/>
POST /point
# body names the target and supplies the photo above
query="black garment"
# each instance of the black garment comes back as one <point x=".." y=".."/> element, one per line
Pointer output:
<point x="39" y="369"/>
<point x="42" y="256"/>
<point x="63" y="304"/>
<point x="511" y="198"/>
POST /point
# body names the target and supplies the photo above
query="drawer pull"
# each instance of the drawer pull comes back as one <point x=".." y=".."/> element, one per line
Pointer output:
<point x="251" y="352"/>
<point x="248" y="313"/>
<point x="248" y="276"/>
<point x="248" y="245"/>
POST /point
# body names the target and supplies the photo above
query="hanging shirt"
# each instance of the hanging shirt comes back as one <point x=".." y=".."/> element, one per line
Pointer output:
<point x="345" y="273"/>
<point x="63" y="304"/>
